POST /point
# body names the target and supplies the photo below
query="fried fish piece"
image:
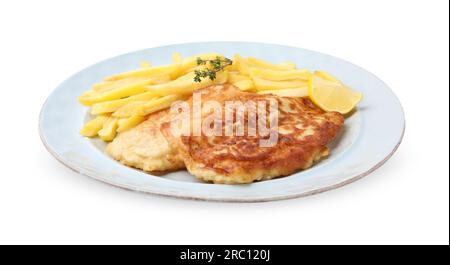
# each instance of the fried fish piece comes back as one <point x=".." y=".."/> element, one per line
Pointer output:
<point x="145" y="147"/>
<point x="304" y="130"/>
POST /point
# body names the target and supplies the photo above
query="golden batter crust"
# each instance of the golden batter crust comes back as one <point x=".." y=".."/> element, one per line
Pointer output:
<point x="304" y="130"/>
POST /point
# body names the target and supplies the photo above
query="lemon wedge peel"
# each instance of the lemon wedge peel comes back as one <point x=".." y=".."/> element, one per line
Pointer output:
<point x="328" y="93"/>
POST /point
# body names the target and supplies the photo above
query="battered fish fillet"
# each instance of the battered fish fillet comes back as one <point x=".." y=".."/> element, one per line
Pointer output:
<point x="144" y="147"/>
<point x="303" y="132"/>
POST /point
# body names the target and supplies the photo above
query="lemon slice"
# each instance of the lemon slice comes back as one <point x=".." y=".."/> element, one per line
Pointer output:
<point x="330" y="94"/>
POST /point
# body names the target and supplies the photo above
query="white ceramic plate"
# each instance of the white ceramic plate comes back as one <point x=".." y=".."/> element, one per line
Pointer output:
<point x="370" y="135"/>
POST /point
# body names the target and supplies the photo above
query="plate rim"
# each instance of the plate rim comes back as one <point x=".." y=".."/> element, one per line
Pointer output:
<point x="79" y="169"/>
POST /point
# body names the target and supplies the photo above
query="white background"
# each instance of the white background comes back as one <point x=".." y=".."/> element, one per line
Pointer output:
<point x="405" y="43"/>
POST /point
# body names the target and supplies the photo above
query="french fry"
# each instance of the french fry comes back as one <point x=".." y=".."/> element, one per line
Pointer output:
<point x="130" y="109"/>
<point x="87" y="94"/>
<point x="327" y="76"/>
<point x="233" y="67"/>
<point x="177" y="58"/>
<point x="145" y="64"/>
<point x="290" y="92"/>
<point x="245" y="85"/>
<point x="157" y="104"/>
<point x="241" y="64"/>
<point x="108" y="132"/>
<point x="159" y="79"/>
<point x="234" y="77"/>
<point x="146" y="72"/>
<point x="117" y="93"/>
<point x="108" y="85"/>
<point x="290" y="65"/>
<point x="280" y="75"/>
<point x="113" y="105"/>
<point x="99" y="88"/>
<point x="185" y="85"/>
<point x="128" y="123"/>
<point x="262" y="84"/>
<point x="264" y="64"/>
<point x="103" y="86"/>
<point x="91" y="128"/>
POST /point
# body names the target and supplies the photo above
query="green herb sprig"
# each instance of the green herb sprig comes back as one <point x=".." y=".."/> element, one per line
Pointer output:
<point x="218" y="64"/>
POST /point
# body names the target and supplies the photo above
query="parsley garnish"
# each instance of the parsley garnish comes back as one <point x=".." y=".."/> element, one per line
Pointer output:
<point x="217" y="64"/>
